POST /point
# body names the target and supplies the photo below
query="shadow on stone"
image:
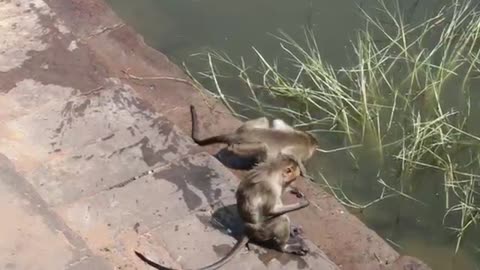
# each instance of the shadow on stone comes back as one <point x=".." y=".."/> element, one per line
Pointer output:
<point x="227" y="220"/>
<point x="232" y="161"/>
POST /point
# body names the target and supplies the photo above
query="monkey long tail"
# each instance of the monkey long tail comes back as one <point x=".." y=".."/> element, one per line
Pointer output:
<point x="151" y="263"/>
<point x="234" y="251"/>
<point x="207" y="141"/>
<point x="238" y="246"/>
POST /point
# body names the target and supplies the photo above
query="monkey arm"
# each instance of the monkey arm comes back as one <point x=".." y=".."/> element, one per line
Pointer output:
<point x="303" y="170"/>
<point x="283" y="209"/>
<point x="249" y="149"/>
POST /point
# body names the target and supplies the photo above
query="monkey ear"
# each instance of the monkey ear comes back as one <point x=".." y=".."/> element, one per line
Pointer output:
<point x="289" y="171"/>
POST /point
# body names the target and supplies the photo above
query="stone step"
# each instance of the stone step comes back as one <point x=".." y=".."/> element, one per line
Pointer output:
<point x="185" y="210"/>
<point x="33" y="236"/>
<point x="74" y="146"/>
<point x="79" y="155"/>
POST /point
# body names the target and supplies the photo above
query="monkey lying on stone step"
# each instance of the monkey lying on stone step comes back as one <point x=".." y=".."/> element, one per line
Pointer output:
<point x="257" y="138"/>
<point x="260" y="206"/>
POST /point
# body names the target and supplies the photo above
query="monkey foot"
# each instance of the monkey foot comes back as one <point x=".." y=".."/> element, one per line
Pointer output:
<point x="299" y="248"/>
<point x="296" y="230"/>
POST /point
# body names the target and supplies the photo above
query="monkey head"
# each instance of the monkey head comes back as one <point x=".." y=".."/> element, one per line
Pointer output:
<point x="290" y="169"/>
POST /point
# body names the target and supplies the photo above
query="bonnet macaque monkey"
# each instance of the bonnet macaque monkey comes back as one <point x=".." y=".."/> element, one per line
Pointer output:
<point x="260" y="206"/>
<point x="257" y="138"/>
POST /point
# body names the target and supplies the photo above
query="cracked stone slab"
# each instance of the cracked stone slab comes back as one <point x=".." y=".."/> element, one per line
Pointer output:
<point x="91" y="263"/>
<point x="193" y="243"/>
<point x="113" y="222"/>
<point x="57" y="116"/>
<point x="70" y="145"/>
<point x="172" y="192"/>
<point x="28" y="116"/>
<point x="176" y="208"/>
<point x="32" y="236"/>
<point x="37" y="44"/>
<point x="21" y="31"/>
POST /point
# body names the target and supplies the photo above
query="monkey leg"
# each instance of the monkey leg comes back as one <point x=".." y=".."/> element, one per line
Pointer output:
<point x="280" y="227"/>
<point x="303" y="170"/>
<point x="249" y="149"/>
<point x="277" y="231"/>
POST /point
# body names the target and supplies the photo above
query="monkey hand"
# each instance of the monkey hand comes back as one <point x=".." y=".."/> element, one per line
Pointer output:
<point x="297" y="193"/>
<point x="304" y="202"/>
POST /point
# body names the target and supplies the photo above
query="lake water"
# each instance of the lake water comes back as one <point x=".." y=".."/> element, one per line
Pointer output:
<point x="180" y="28"/>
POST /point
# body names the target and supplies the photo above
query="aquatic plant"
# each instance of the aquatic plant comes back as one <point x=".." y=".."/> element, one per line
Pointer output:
<point x="406" y="96"/>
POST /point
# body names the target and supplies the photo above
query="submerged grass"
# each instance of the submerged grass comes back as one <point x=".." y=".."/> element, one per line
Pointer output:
<point x="406" y="96"/>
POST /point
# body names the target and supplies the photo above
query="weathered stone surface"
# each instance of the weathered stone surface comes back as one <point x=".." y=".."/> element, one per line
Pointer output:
<point x="74" y="145"/>
<point x="36" y="44"/>
<point x="77" y="134"/>
<point x="194" y="243"/>
<point x="407" y="263"/>
<point x="33" y="237"/>
<point x="21" y="31"/>
<point x="172" y="192"/>
<point x="192" y="236"/>
<point x="173" y="206"/>
<point x="90" y="263"/>
<point x="198" y="232"/>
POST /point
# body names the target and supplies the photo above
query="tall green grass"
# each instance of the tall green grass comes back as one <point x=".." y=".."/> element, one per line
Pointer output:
<point x="407" y="96"/>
